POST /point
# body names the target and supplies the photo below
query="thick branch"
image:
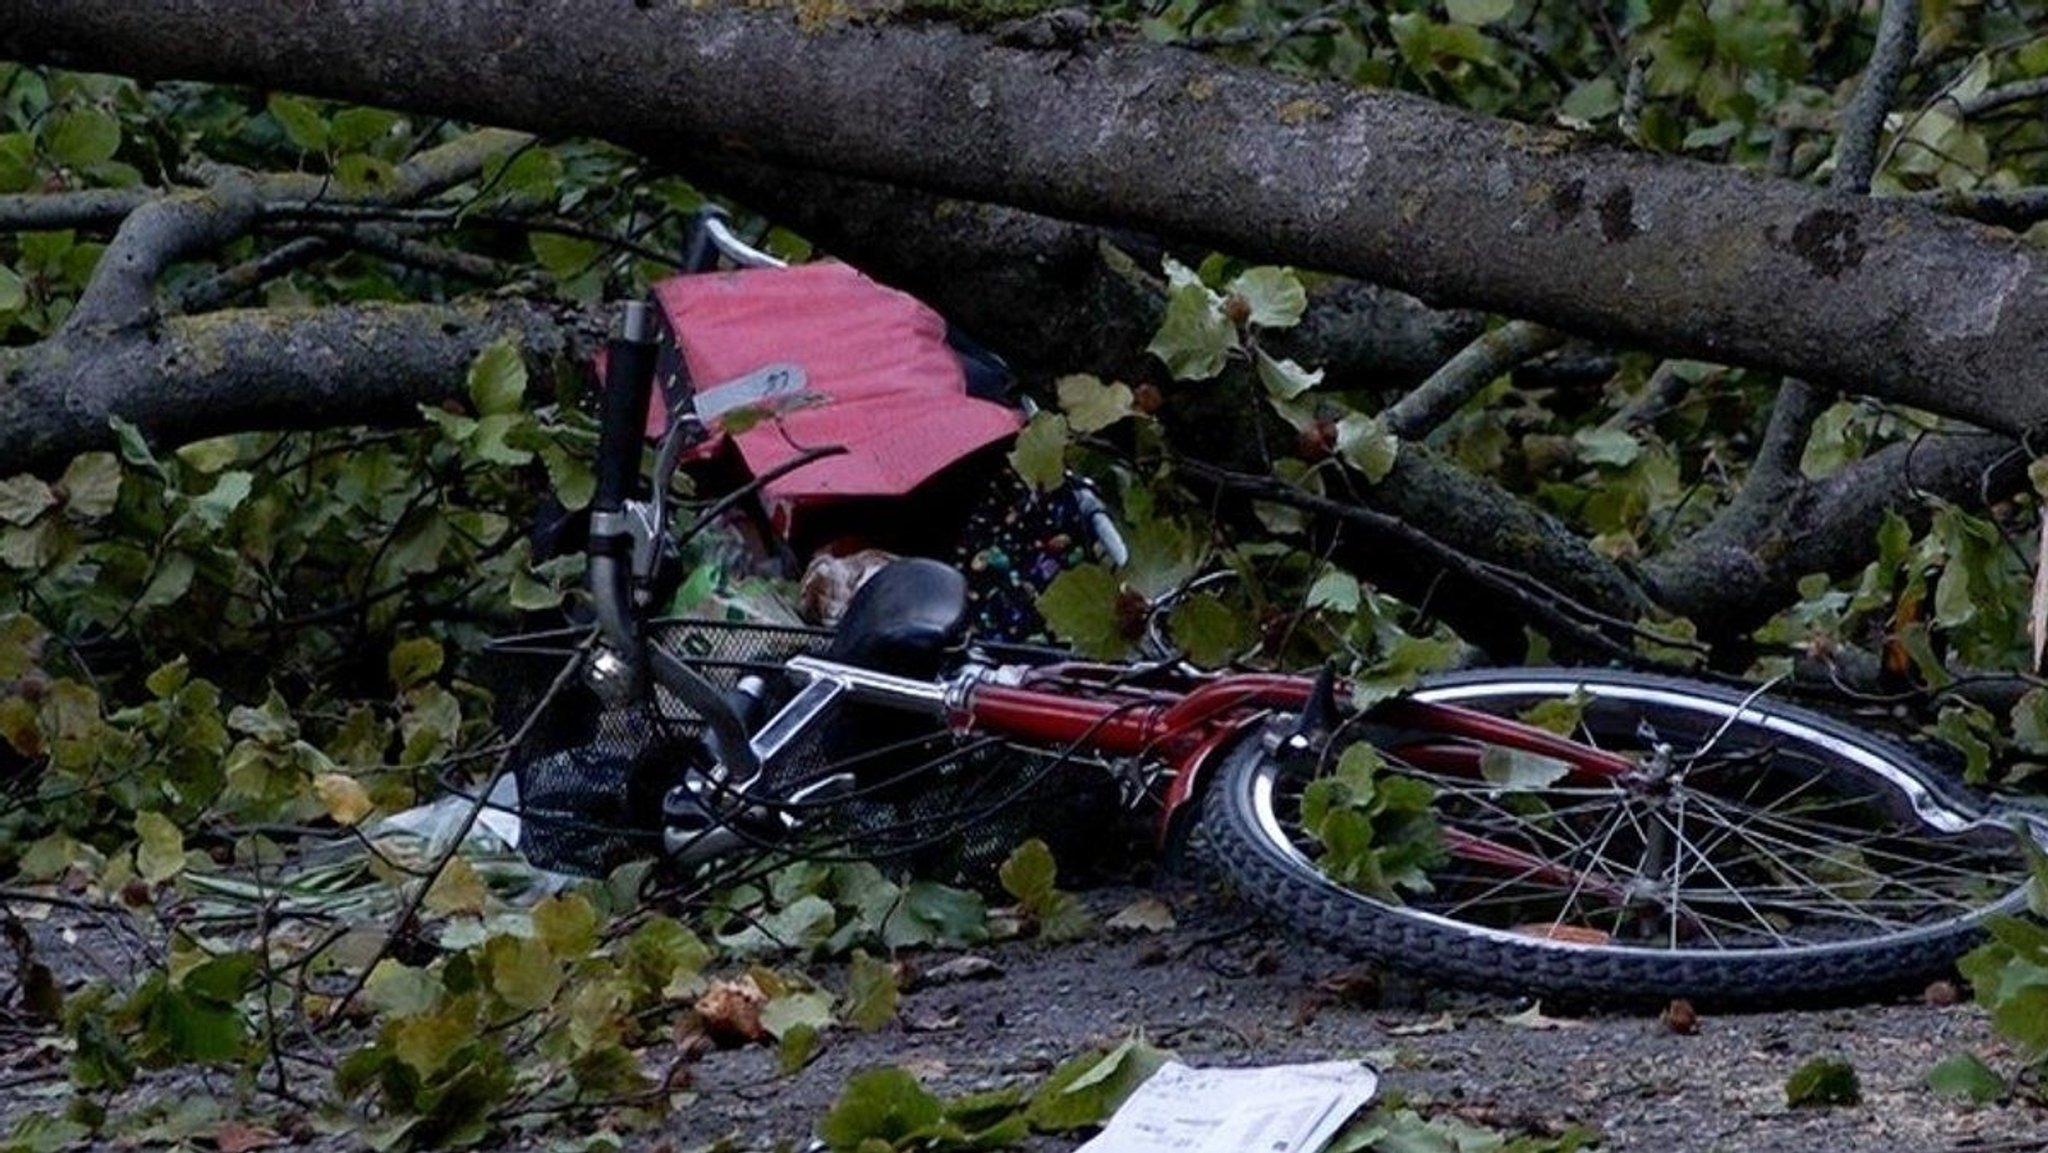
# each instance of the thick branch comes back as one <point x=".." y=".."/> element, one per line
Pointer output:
<point x="122" y="290"/>
<point x="1732" y="577"/>
<point x="270" y="368"/>
<point x="1649" y="251"/>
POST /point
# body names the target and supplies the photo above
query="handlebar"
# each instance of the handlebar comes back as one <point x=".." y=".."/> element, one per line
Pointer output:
<point x="711" y="236"/>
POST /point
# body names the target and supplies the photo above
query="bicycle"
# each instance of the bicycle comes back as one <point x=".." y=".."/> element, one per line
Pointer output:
<point x="1674" y="839"/>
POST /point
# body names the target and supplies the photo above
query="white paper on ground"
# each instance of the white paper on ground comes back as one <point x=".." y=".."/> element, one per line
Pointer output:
<point x="1277" y="1109"/>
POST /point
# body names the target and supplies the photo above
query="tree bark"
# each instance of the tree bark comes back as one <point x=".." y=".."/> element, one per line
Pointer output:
<point x="1874" y="297"/>
<point x="273" y="368"/>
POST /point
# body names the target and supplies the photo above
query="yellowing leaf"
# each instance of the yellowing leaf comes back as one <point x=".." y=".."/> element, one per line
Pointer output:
<point x="399" y="990"/>
<point x="159" y="848"/>
<point x="344" y="798"/>
<point x="1144" y="915"/>
<point x="523" y="973"/>
<point x="567" y="924"/>
<point x="413" y="661"/>
<point x="1091" y="405"/>
<point x="871" y="993"/>
<point x="457" y="890"/>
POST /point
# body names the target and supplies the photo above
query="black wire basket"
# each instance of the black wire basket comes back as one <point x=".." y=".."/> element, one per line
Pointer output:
<point x="923" y="799"/>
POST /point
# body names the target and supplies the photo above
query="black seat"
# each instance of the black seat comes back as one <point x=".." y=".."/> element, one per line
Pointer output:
<point x="904" y="620"/>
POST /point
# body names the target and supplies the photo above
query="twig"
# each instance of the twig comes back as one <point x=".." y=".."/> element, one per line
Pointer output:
<point x="224" y="286"/>
<point x="2004" y="96"/>
<point x="2015" y="208"/>
<point x="1474" y="367"/>
<point x="1580" y="623"/>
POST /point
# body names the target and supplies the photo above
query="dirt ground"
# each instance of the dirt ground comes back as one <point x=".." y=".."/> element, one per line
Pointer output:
<point x="1222" y="989"/>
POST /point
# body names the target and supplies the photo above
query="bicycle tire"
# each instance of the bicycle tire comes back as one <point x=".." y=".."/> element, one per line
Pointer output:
<point x="1252" y="832"/>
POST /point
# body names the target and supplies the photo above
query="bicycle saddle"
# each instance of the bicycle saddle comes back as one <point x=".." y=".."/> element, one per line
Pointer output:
<point x="904" y="619"/>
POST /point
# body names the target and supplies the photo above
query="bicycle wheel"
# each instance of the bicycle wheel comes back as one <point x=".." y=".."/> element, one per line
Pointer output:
<point x="1752" y="853"/>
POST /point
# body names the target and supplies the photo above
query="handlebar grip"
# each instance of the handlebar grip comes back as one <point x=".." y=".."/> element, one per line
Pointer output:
<point x="700" y="253"/>
<point x="628" y="385"/>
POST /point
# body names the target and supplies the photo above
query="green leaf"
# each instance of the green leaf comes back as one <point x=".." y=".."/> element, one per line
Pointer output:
<point x="83" y="138"/>
<point x="92" y="485"/>
<point x="1028" y="872"/>
<point x="1335" y="590"/>
<point x="1085" y="1090"/>
<point x="1080" y="607"/>
<point x="1963" y="1075"/>
<point x="497" y="379"/>
<point x="1091" y="405"/>
<point x="881" y="1105"/>
<point x="936" y="914"/>
<point x="806" y="1009"/>
<point x="1165" y="556"/>
<point x="1608" y="446"/>
<point x="567" y="923"/>
<point x="564" y="257"/>
<point x="134" y="446"/>
<point x="1366" y="445"/>
<point x="302" y="123"/>
<point x="1823" y="1081"/>
<point x="220" y="502"/>
<point x="796" y="1047"/>
<point x="1478" y="11"/>
<point x="1592" y="101"/>
<point x="1195" y="338"/>
<point x="1210" y="632"/>
<point x="1518" y="770"/>
<point x="1040" y="452"/>
<point x="159" y="849"/>
<point x="1284" y="379"/>
<point x="574" y="481"/>
<point x="399" y="990"/>
<point x="361" y="129"/>
<point x="871" y="992"/>
<point x="24" y="498"/>
<point x="13" y="291"/>
<point x="413" y="661"/>
<point x="1275" y="296"/>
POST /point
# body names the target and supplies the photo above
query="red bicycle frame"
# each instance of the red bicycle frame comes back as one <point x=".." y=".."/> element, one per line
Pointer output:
<point x="1081" y="707"/>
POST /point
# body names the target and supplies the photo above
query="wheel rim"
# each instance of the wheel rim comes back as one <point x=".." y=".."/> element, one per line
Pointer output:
<point x="1784" y="837"/>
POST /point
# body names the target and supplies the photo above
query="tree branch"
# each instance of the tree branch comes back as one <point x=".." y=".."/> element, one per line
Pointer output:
<point x="122" y="291"/>
<point x="96" y="208"/>
<point x="1898" y="33"/>
<point x="2015" y="208"/>
<point x="272" y="368"/>
<point x="1461" y="377"/>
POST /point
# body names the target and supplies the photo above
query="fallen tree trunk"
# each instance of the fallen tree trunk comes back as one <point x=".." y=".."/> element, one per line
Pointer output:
<point x="1686" y="258"/>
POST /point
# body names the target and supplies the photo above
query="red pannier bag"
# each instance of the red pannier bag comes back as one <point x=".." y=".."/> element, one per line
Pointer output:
<point x="875" y="376"/>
